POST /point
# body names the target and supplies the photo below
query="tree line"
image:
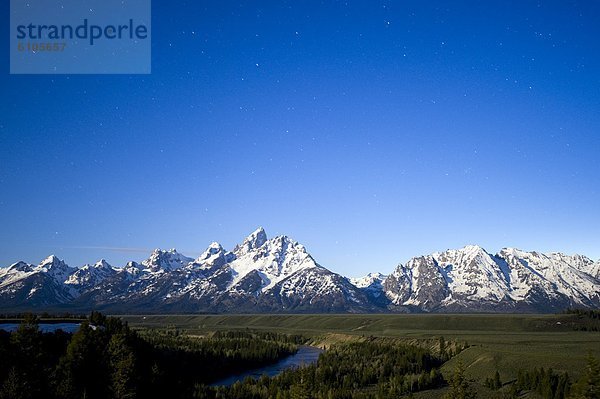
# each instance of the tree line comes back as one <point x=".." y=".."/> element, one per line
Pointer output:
<point x="377" y="367"/>
<point x="107" y="359"/>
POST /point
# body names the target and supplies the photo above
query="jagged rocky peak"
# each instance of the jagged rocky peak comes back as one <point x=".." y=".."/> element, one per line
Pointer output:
<point x="284" y="244"/>
<point x="52" y="263"/>
<point x="580" y="262"/>
<point x="255" y="240"/>
<point x="425" y="282"/>
<point x="102" y="264"/>
<point x="510" y="251"/>
<point x="472" y="258"/>
<point x="271" y="261"/>
<point x="21" y="266"/>
<point x="214" y="249"/>
<point x="133" y="264"/>
<point x="371" y="279"/>
<point x="455" y="275"/>
<point x="132" y="268"/>
<point x="427" y="261"/>
<point x="55" y="267"/>
<point x="214" y="256"/>
<point x="518" y="258"/>
<point x="166" y="260"/>
<point x="90" y="275"/>
<point x="468" y="252"/>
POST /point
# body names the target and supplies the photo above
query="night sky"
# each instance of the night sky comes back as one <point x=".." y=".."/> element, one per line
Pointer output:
<point x="369" y="131"/>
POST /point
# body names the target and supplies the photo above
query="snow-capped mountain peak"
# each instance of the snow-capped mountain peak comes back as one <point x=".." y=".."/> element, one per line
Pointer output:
<point x="369" y="280"/>
<point x="214" y="256"/>
<point x="15" y="272"/>
<point x="55" y="267"/>
<point x="255" y="240"/>
<point x="88" y="276"/>
<point x="568" y="278"/>
<point x="98" y="266"/>
<point x="161" y="260"/>
<point x="273" y="260"/>
<point x="470" y="252"/>
<point x="50" y="261"/>
<point x="132" y="268"/>
<point x="372" y="285"/>
<point x="102" y="264"/>
<point x="21" y="267"/>
<point x="471" y="278"/>
<point x="472" y="272"/>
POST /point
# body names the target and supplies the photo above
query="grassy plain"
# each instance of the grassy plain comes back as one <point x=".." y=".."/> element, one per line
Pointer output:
<point x="500" y="342"/>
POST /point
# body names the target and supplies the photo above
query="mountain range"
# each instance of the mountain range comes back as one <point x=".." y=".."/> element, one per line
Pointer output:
<point x="278" y="275"/>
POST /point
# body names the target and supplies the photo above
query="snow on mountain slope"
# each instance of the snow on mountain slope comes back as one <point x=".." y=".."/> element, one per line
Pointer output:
<point x="318" y="288"/>
<point x="555" y="276"/>
<point x="370" y="280"/>
<point x="51" y="267"/>
<point x="254" y="266"/>
<point x="132" y="269"/>
<point x="471" y="273"/>
<point x="420" y="283"/>
<point x="214" y="256"/>
<point x="594" y="270"/>
<point x="161" y="261"/>
<point x="15" y="272"/>
<point x="261" y="274"/>
<point x="279" y="275"/>
<point x="42" y="285"/>
<point x="372" y="286"/>
<point x="255" y="240"/>
<point x="89" y="276"/>
<point x="471" y="278"/>
<point x="271" y="260"/>
<point x="56" y="268"/>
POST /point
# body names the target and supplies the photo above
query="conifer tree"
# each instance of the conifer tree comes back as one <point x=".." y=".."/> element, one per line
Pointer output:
<point x="13" y="387"/>
<point x="442" y="347"/>
<point x="497" y="382"/>
<point x="28" y="353"/>
<point x="122" y="364"/>
<point x="459" y="386"/>
<point x="588" y="386"/>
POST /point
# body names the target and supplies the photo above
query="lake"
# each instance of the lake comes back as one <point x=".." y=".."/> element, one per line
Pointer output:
<point x="306" y="355"/>
<point x="44" y="327"/>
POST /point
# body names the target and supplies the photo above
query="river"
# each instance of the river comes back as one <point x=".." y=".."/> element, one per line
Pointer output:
<point x="306" y="355"/>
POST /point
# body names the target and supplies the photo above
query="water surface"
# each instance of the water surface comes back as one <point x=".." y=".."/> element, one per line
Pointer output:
<point x="44" y="327"/>
<point x="306" y="355"/>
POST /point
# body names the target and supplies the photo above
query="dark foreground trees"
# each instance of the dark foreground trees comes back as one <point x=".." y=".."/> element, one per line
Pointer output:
<point x="106" y="359"/>
<point x="588" y="386"/>
<point x="26" y="356"/>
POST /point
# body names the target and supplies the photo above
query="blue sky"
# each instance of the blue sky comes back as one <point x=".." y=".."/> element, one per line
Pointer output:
<point x="369" y="131"/>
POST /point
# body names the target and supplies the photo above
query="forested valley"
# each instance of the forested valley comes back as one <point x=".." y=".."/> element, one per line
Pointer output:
<point x="105" y="358"/>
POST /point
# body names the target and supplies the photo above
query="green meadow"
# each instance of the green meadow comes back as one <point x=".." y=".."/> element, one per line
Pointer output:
<point x="500" y="342"/>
